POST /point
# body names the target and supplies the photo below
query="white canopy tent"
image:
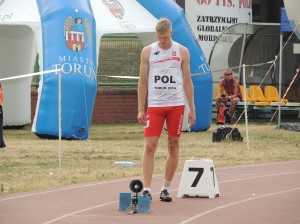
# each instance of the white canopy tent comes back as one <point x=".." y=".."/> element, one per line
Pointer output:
<point x="19" y="34"/>
<point x="21" y="41"/>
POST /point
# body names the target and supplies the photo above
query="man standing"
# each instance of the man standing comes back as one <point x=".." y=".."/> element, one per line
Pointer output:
<point x="165" y="81"/>
<point x="229" y="91"/>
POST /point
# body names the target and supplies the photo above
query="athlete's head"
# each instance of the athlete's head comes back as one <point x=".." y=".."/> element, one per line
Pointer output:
<point x="228" y="74"/>
<point x="164" y="32"/>
<point x="163" y="25"/>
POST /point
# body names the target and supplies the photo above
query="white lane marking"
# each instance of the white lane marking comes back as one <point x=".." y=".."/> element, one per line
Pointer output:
<point x="255" y="177"/>
<point x="235" y="203"/>
<point x="109" y="203"/>
<point x="77" y="212"/>
<point x="259" y="164"/>
<point x="64" y="189"/>
<point x="130" y="178"/>
<point x="71" y="188"/>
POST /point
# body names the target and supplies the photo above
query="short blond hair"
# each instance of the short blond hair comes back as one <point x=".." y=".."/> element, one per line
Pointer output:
<point x="163" y="25"/>
<point x="228" y="71"/>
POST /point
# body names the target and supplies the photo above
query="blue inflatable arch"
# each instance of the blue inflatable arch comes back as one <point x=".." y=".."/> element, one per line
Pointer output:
<point x="69" y="43"/>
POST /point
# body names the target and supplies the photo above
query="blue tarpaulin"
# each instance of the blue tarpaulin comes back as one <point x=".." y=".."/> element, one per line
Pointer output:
<point x="285" y="23"/>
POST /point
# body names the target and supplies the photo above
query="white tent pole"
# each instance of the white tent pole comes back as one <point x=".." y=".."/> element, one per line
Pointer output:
<point x="280" y="81"/>
<point x="59" y="118"/>
<point x="242" y="51"/>
<point x="245" y="107"/>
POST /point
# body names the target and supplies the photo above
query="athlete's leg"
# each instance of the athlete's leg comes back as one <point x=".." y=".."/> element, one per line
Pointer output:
<point x="173" y="158"/>
<point x="148" y="160"/>
<point x="155" y="122"/>
<point x="174" y="123"/>
<point x="174" y="119"/>
<point x="218" y="101"/>
<point x="233" y="104"/>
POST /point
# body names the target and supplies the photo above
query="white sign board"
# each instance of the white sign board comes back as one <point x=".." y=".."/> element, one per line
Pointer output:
<point x="209" y="18"/>
<point x="199" y="179"/>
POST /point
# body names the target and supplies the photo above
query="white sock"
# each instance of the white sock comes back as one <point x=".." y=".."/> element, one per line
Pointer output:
<point x="166" y="185"/>
<point x="164" y="188"/>
<point x="147" y="189"/>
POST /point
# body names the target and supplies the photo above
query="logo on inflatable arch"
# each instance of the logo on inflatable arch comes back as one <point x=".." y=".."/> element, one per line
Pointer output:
<point x="1" y="2"/>
<point x="77" y="33"/>
<point x="115" y="8"/>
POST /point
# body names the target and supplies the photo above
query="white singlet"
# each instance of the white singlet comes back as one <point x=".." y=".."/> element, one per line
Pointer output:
<point x="165" y="86"/>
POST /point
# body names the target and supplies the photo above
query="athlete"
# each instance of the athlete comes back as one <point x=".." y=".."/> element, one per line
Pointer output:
<point x="164" y="83"/>
<point x="229" y="92"/>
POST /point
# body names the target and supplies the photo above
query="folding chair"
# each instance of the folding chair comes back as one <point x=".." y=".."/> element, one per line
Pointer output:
<point x="256" y="94"/>
<point x="271" y="93"/>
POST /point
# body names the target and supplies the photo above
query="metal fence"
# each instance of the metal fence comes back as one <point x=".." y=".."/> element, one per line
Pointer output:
<point x="119" y="56"/>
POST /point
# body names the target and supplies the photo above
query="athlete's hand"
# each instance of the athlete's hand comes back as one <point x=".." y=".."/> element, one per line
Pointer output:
<point x="192" y="118"/>
<point x="141" y="118"/>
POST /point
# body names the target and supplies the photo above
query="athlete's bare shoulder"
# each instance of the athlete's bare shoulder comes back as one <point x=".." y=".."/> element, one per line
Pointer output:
<point x="182" y="48"/>
<point x="146" y="51"/>
<point x="184" y="52"/>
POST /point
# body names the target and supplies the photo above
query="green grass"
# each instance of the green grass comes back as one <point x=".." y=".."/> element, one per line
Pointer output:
<point x="30" y="163"/>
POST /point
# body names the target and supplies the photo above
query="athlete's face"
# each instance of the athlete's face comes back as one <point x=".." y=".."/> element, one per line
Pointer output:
<point x="164" y="39"/>
<point x="228" y="75"/>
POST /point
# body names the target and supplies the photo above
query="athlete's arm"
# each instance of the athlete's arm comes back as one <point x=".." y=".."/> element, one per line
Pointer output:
<point x="188" y="84"/>
<point x="236" y="89"/>
<point x="143" y="84"/>
<point x="221" y="88"/>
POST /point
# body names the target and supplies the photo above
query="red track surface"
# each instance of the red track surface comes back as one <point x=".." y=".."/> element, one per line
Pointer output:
<point x="265" y="193"/>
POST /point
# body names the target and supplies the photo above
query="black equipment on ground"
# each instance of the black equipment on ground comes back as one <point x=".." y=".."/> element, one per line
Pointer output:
<point x="224" y="133"/>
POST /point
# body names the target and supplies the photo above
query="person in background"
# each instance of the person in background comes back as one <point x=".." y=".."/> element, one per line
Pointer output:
<point x="164" y="82"/>
<point x="229" y="92"/>
<point x="2" y="144"/>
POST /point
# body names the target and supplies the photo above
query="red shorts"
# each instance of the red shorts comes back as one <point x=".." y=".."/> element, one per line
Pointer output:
<point x="156" y="117"/>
